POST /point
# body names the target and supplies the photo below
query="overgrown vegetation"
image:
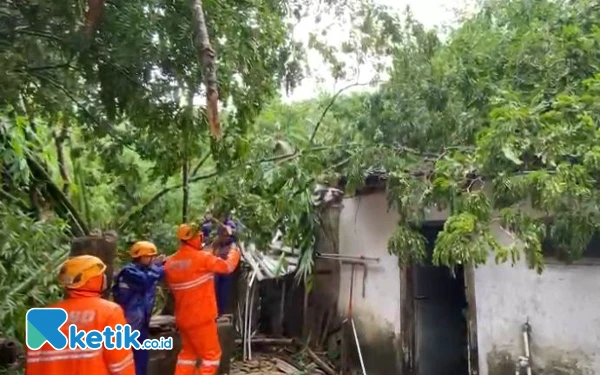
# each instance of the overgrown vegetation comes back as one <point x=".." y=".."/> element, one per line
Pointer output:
<point x="101" y="127"/>
<point x="509" y="102"/>
<point x="102" y="131"/>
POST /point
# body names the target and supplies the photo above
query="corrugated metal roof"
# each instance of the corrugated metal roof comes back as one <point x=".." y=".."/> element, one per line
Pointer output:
<point x="275" y="262"/>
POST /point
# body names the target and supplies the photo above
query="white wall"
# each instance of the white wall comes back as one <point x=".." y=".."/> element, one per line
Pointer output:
<point x="365" y="226"/>
<point x="563" y="307"/>
<point x="563" y="304"/>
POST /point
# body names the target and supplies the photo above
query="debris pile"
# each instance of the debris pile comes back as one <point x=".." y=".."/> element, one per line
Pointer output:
<point x="277" y="364"/>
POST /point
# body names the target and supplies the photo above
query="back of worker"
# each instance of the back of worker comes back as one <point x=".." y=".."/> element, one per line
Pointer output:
<point x="189" y="274"/>
<point x="84" y="280"/>
<point x="135" y="291"/>
<point x="192" y="286"/>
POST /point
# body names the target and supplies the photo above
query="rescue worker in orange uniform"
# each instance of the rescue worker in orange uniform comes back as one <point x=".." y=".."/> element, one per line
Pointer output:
<point x="189" y="274"/>
<point x="84" y="280"/>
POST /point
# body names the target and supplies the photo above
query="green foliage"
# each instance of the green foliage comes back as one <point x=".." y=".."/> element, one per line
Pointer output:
<point x="507" y="105"/>
<point x="31" y="252"/>
<point x="97" y="130"/>
<point x="497" y="123"/>
<point x="273" y="189"/>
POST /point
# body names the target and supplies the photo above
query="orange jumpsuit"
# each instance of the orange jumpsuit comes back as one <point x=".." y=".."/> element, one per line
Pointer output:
<point x="189" y="274"/>
<point x="88" y="311"/>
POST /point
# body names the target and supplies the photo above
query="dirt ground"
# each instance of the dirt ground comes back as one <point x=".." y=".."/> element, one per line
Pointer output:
<point x="260" y="364"/>
<point x="271" y="364"/>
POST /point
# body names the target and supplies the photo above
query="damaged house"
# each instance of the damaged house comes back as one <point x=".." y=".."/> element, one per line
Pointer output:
<point x="429" y="320"/>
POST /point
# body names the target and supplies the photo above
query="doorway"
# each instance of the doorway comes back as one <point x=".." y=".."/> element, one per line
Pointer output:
<point x="440" y="315"/>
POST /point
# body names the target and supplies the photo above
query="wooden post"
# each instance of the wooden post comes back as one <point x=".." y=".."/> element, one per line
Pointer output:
<point x="103" y="247"/>
<point x="407" y="321"/>
<point x="472" y="319"/>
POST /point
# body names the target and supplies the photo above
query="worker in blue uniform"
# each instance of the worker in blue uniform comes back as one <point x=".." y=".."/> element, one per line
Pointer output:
<point x="135" y="290"/>
<point x="224" y="241"/>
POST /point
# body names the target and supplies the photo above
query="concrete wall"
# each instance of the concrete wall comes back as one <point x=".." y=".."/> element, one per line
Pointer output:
<point x="364" y="228"/>
<point x="563" y="307"/>
<point x="563" y="304"/>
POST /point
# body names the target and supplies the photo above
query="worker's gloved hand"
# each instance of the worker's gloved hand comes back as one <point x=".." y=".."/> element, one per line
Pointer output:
<point x="224" y="251"/>
<point x="160" y="259"/>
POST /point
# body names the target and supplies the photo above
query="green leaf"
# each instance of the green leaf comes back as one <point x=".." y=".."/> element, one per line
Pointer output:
<point x="510" y="154"/>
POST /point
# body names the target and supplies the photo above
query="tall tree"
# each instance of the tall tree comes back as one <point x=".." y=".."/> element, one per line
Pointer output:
<point x="507" y="102"/>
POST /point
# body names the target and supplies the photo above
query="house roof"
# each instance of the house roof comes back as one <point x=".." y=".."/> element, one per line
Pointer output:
<point x="375" y="179"/>
<point x="272" y="263"/>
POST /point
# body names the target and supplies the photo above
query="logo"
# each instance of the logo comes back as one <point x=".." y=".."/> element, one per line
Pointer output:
<point x="45" y="325"/>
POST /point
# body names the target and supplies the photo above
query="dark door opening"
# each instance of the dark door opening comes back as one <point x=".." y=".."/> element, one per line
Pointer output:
<point x="441" y="335"/>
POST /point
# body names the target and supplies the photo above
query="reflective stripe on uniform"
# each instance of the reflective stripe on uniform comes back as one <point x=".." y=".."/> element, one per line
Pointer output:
<point x="190" y="284"/>
<point x="60" y="355"/>
<point x="211" y="363"/>
<point x="186" y="362"/>
<point x="115" y="368"/>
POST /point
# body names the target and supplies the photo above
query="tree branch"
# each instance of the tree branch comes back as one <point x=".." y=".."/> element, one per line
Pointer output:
<point x="200" y="164"/>
<point x="44" y="67"/>
<point x="92" y="18"/>
<point x="18" y="201"/>
<point x="41" y="175"/>
<point x="206" y="56"/>
<point x="168" y="189"/>
<point x="111" y="131"/>
<point x="39" y="34"/>
<point x="159" y="195"/>
<point x="59" y="137"/>
<point x="330" y="104"/>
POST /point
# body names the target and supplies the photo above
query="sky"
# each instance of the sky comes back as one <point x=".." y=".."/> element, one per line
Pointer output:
<point x="431" y="13"/>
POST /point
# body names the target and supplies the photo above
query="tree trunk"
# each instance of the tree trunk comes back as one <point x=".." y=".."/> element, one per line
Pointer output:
<point x="206" y="56"/>
<point x="103" y="247"/>
<point x="185" y="180"/>
<point x="60" y="136"/>
<point x="92" y="18"/>
<point x="34" y="199"/>
<point x="186" y="190"/>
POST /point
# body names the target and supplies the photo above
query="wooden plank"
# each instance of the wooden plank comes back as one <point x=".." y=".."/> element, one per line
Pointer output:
<point x="407" y="320"/>
<point x="286" y="367"/>
<point x="472" y="319"/>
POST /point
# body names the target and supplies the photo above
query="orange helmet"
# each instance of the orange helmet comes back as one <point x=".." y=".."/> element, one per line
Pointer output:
<point x="77" y="271"/>
<point x="143" y="248"/>
<point x="186" y="232"/>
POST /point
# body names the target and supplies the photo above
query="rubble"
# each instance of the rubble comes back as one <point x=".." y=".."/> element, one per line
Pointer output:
<point x="263" y="364"/>
<point x="280" y="357"/>
<point x="272" y="364"/>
